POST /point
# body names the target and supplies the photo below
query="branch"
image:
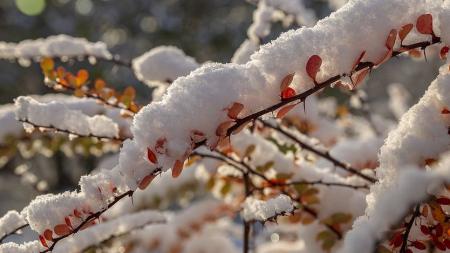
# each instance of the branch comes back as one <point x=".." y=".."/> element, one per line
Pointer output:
<point x="13" y="232"/>
<point x="319" y="86"/>
<point x="408" y="228"/>
<point x="326" y="155"/>
<point x="91" y="95"/>
<point x="50" y="127"/>
<point x="89" y="219"/>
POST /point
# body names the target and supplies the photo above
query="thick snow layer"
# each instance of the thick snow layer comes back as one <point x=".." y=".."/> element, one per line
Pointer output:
<point x="53" y="46"/>
<point x="97" y="234"/>
<point x="28" y="247"/>
<point x="444" y="20"/>
<point x="10" y="222"/>
<point x="421" y="134"/>
<point x="9" y="125"/>
<point x="163" y="64"/>
<point x="259" y="210"/>
<point x="58" y="115"/>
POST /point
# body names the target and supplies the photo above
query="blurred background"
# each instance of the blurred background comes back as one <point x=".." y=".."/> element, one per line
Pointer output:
<point x="208" y="30"/>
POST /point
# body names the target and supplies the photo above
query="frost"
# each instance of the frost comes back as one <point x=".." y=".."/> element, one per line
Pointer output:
<point x="259" y="210"/>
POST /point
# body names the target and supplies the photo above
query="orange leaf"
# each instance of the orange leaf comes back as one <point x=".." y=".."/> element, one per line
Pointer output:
<point x="424" y="24"/>
<point x="99" y="85"/>
<point x="287" y="93"/>
<point x="151" y="156"/>
<point x="234" y="110"/>
<point x="48" y="235"/>
<point x="405" y="31"/>
<point x="67" y="221"/>
<point x="47" y="64"/>
<point x="130" y="92"/>
<point x="444" y="52"/>
<point x="284" y="110"/>
<point x="146" y="181"/>
<point x="43" y="242"/>
<point x="287" y="80"/>
<point x="358" y="60"/>
<point x="223" y="128"/>
<point x="177" y="168"/>
<point x="313" y="66"/>
<point x="82" y="77"/>
<point x="390" y="41"/>
<point x="62" y="229"/>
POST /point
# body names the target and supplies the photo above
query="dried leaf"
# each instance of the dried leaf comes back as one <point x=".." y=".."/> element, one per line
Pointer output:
<point x="43" y="242"/>
<point x="284" y="110"/>
<point x="424" y="24"/>
<point x="223" y="128"/>
<point x="177" y="168"/>
<point x="390" y="41"/>
<point x="234" y="110"/>
<point x="406" y="29"/>
<point x="146" y="181"/>
<point x="287" y="80"/>
<point x="62" y="229"/>
<point x="48" y="235"/>
<point x="313" y="66"/>
<point x="287" y="93"/>
<point x="47" y="64"/>
<point x="444" y="52"/>
<point x="151" y="156"/>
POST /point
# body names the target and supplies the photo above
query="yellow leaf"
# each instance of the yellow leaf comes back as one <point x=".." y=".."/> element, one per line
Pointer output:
<point x="47" y="64"/>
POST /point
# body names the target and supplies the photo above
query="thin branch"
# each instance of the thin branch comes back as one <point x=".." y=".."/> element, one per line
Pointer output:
<point x="92" y="95"/>
<point x="324" y="154"/>
<point x="51" y="127"/>
<point x="90" y="218"/>
<point x="409" y="225"/>
<point x="13" y="232"/>
<point x="319" y="86"/>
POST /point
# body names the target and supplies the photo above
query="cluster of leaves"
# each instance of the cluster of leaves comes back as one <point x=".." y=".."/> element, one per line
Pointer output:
<point x="60" y="78"/>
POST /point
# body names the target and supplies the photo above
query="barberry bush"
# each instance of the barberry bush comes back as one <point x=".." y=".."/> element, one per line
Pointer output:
<point x="276" y="151"/>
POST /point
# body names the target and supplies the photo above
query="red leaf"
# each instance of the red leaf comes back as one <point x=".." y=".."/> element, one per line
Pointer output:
<point x="77" y="213"/>
<point x="234" y="110"/>
<point x="146" y="181"/>
<point x="385" y="58"/>
<point x="223" y="128"/>
<point x="444" y="52"/>
<point x="313" y="66"/>
<point x="287" y="93"/>
<point x="443" y="201"/>
<point x="424" y="24"/>
<point x="151" y="156"/>
<point x="390" y="41"/>
<point x="177" y="168"/>
<point x="445" y="111"/>
<point x="358" y="60"/>
<point x="425" y="230"/>
<point x="160" y="146"/>
<point x="439" y="230"/>
<point x="284" y="110"/>
<point x="43" y="242"/>
<point x="287" y="80"/>
<point x="405" y="31"/>
<point x="48" y="235"/>
<point x="62" y="229"/>
<point x="439" y="245"/>
<point x="447" y="243"/>
<point x="67" y="221"/>
<point x="409" y="251"/>
<point x="418" y="245"/>
<point x="397" y="240"/>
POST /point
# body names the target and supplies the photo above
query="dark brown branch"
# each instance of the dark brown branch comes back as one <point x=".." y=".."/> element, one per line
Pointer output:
<point x="319" y="86"/>
<point x="409" y="225"/>
<point x="90" y="218"/>
<point x="92" y="95"/>
<point x="324" y="154"/>
<point x="13" y="232"/>
<point x="51" y="127"/>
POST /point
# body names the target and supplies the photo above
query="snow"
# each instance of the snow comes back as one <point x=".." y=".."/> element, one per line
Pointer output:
<point x="97" y="234"/>
<point x="163" y="64"/>
<point x="10" y="126"/>
<point x="53" y="46"/>
<point x="259" y="210"/>
<point x="10" y="222"/>
<point x="28" y="247"/>
<point x="58" y="115"/>
<point x="444" y="18"/>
